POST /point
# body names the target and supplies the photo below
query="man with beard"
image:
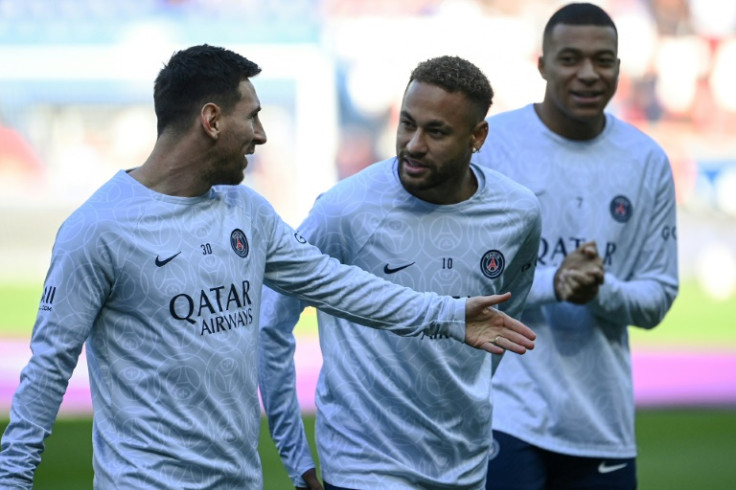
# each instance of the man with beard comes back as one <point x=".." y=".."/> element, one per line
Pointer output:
<point x="159" y="274"/>
<point x="407" y="412"/>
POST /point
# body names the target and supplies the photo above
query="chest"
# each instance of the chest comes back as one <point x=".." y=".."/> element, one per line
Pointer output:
<point x="457" y="254"/>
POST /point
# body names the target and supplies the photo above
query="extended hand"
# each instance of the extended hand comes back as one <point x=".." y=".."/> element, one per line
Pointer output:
<point x="313" y="483"/>
<point x="492" y="330"/>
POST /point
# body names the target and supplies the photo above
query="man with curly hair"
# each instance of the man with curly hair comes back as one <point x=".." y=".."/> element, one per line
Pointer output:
<point x="407" y="412"/>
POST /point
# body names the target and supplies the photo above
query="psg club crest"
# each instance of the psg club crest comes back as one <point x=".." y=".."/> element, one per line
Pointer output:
<point x="492" y="264"/>
<point x="621" y="209"/>
<point x="239" y="243"/>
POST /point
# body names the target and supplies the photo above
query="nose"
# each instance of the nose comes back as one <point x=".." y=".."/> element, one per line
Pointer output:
<point x="416" y="144"/>
<point x="259" y="134"/>
<point x="587" y="71"/>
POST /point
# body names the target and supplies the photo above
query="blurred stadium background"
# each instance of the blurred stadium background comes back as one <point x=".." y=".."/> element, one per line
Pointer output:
<point x="76" y="79"/>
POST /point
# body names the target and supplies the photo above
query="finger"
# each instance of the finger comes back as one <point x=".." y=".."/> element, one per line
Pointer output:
<point x="576" y="279"/>
<point x="517" y="348"/>
<point x="509" y="325"/>
<point x="515" y="327"/>
<point x="591" y="264"/>
<point x="519" y="339"/>
<point x="590" y="248"/>
<point x="492" y="347"/>
<point x="495" y="299"/>
<point x="594" y="271"/>
<point x="599" y="276"/>
<point x="563" y="286"/>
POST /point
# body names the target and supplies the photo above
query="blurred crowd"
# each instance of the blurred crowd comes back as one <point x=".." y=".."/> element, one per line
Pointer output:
<point x="61" y="137"/>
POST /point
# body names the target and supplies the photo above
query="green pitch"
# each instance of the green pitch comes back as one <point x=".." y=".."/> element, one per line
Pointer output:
<point x="678" y="450"/>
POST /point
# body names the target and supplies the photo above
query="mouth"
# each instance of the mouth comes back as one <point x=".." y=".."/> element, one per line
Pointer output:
<point x="411" y="166"/>
<point x="586" y="97"/>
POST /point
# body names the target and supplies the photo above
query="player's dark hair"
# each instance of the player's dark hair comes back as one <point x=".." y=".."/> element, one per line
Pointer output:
<point x="195" y="76"/>
<point x="578" y="14"/>
<point x="455" y="74"/>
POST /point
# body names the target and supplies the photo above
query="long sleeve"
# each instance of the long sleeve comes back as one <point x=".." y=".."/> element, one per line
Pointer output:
<point x="75" y="287"/>
<point x="521" y="285"/>
<point x="644" y="298"/>
<point x="277" y="381"/>
<point x="542" y="291"/>
<point x="299" y="269"/>
<point x="276" y="370"/>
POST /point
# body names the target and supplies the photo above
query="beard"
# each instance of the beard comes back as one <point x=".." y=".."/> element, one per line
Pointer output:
<point x="225" y="173"/>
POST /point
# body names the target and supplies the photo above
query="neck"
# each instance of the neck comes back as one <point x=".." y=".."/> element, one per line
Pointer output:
<point x="573" y="129"/>
<point x="171" y="168"/>
<point x="452" y="193"/>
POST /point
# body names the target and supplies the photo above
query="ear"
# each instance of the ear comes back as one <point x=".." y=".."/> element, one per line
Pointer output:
<point x="540" y="67"/>
<point x="480" y="132"/>
<point x="210" y="118"/>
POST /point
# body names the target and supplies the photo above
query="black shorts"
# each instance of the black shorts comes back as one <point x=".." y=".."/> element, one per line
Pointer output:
<point x="517" y="465"/>
<point x="327" y="486"/>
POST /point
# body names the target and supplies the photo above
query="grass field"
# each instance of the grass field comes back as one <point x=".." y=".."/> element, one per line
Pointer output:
<point x="678" y="448"/>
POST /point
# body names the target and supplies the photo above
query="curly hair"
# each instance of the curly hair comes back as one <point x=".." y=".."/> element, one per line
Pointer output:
<point x="455" y="74"/>
<point x="195" y="76"/>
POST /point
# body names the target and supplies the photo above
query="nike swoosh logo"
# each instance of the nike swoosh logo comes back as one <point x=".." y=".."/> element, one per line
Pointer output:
<point x="605" y="468"/>
<point x="161" y="263"/>
<point x="389" y="270"/>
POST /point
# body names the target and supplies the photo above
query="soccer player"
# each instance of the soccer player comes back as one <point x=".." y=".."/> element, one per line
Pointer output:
<point x="397" y="412"/>
<point x="564" y="414"/>
<point x="160" y="273"/>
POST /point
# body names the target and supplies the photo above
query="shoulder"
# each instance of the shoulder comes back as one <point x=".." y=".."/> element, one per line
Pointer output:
<point x="359" y="187"/>
<point x="627" y="135"/>
<point x="241" y="196"/>
<point x="508" y="134"/>
<point x="509" y="191"/>
<point x="512" y="118"/>
<point x="102" y="208"/>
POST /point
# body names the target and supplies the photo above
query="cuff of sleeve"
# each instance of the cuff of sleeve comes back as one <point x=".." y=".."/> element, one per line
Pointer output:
<point x="545" y="285"/>
<point x="597" y="304"/>
<point x="456" y="324"/>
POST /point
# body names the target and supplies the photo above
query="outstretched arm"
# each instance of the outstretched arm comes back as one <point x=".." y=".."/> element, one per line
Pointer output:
<point x="644" y="297"/>
<point x="492" y="330"/>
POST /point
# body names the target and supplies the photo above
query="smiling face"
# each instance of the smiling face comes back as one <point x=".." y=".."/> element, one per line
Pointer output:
<point x="240" y="130"/>
<point x="437" y="133"/>
<point x="581" y="67"/>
